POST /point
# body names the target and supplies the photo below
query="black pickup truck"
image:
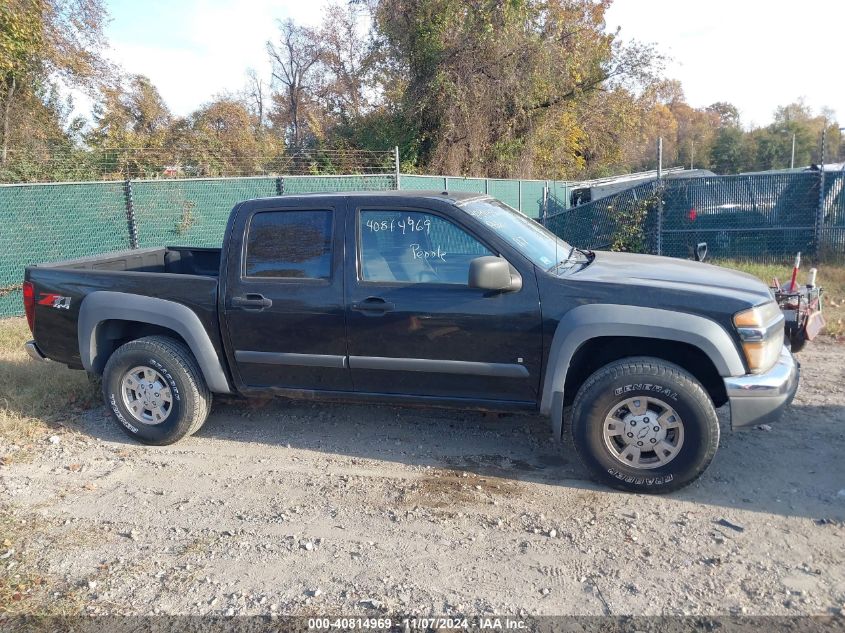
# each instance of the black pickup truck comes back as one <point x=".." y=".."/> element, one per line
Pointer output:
<point x="443" y="299"/>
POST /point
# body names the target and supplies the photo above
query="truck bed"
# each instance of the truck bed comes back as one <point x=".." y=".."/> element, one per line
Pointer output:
<point x="180" y="260"/>
<point x="181" y="274"/>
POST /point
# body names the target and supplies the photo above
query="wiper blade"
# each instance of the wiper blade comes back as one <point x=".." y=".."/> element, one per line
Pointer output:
<point x="569" y="259"/>
<point x="563" y="261"/>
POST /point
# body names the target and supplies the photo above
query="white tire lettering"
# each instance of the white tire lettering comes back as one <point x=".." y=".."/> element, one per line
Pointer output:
<point x="639" y="481"/>
<point x="173" y="388"/>
<point x="119" y="415"/>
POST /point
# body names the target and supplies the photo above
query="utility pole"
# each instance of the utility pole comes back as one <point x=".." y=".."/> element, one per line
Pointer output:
<point x="817" y="233"/>
<point x="659" y="190"/>
<point x="692" y="156"/>
<point x="545" y="202"/>
<point x="396" y="167"/>
<point x="660" y="158"/>
<point x="792" y="162"/>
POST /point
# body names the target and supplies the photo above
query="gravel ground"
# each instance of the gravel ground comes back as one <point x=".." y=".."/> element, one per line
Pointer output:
<point x="289" y="508"/>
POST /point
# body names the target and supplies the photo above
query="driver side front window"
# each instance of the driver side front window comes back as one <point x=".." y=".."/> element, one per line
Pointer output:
<point x="414" y="247"/>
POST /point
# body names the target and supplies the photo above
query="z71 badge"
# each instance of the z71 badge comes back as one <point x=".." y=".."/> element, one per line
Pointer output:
<point x="57" y="301"/>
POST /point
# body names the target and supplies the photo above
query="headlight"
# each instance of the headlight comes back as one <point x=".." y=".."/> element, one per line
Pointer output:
<point x="761" y="331"/>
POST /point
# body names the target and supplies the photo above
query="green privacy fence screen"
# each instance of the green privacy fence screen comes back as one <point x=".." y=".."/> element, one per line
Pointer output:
<point x="524" y="195"/>
<point x="56" y="221"/>
<point x="42" y="223"/>
<point x="191" y="212"/>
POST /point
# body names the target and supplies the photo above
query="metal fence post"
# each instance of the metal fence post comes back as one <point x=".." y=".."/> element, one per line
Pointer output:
<point x="817" y="228"/>
<point x="396" y="167"/>
<point x="131" y="222"/>
<point x="280" y="186"/>
<point x="545" y="213"/>
<point x="660" y="196"/>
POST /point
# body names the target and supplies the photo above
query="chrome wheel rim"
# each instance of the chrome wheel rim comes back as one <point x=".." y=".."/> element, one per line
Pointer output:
<point x="643" y="432"/>
<point x="147" y="395"/>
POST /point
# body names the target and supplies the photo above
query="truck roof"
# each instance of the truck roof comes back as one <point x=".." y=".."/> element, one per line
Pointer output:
<point x="450" y="196"/>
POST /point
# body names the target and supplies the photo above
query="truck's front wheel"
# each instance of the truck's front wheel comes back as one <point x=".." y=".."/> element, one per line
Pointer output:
<point x="155" y="390"/>
<point x="644" y="425"/>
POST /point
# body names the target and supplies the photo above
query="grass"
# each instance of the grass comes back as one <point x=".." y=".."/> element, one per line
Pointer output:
<point x="36" y="399"/>
<point x="831" y="277"/>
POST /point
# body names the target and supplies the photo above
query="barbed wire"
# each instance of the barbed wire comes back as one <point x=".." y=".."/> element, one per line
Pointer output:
<point x="175" y="163"/>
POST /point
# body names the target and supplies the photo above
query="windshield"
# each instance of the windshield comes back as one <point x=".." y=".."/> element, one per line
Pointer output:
<point x="537" y="243"/>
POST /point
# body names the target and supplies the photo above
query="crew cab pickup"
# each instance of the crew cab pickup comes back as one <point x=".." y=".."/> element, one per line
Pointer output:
<point x="443" y="299"/>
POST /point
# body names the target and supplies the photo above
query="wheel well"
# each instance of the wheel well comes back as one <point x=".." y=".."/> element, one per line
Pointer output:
<point x="112" y="333"/>
<point x="598" y="352"/>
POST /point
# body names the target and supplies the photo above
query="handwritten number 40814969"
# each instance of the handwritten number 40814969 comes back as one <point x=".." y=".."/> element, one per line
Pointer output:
<point x="406" y="225"/>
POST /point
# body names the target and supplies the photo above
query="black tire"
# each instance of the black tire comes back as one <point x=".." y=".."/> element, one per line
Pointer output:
<point x="620" y="382"/>
<point x="190" y="398"/>
<point x="796" y="339"/>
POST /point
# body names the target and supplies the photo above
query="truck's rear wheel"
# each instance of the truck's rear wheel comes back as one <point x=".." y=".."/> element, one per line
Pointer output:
<point x="155" y="390"/>
<point x="644" y="425"/>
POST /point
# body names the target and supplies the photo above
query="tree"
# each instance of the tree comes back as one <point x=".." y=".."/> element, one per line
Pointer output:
<point x="727" y="113"/>
<point x="255" y="96"/>
<point x="131" y="127"/>
<point x="483" y="77"/>
<point x="43" y="42"/>
<point x="294" y="60"/>
<point x="727" y="152"/>
<point x="346" y="63"/>
<point x="696" y="133"/>
<point x="223" y="138"/>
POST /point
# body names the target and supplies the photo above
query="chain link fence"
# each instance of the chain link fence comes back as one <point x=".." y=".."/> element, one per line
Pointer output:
<point x="757" y="217"/>
<point x="77" y="164"/>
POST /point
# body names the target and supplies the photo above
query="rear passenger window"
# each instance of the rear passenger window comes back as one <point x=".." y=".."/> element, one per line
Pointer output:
<point x="290" y="244"/>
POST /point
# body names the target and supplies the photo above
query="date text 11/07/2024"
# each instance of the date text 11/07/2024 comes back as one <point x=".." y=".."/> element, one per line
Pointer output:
<point x="424" y="624"/>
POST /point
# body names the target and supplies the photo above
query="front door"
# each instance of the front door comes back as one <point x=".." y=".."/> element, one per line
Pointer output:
<point x="416" y="328"/>
<point x="284" y="302"/>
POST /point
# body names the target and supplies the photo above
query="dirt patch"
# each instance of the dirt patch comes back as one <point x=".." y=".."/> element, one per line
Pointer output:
<point x="454" y="489"/>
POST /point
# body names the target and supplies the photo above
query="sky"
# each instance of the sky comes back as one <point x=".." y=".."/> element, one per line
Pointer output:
<point x="756" y="54"/>
<point x="193" y="50"/>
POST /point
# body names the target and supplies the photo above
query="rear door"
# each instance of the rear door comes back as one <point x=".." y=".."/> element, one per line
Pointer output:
<point x="284" y="297"/>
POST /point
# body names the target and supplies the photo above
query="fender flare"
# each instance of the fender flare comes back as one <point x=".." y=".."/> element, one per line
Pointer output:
<point x="103" y="305"/>
<point x="586" y="322"/>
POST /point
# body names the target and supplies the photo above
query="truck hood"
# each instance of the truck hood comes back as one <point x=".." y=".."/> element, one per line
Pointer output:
<point x="678" y="274"/>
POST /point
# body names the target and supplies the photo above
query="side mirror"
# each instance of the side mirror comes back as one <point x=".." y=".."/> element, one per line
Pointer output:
<point x="493" y="273"/>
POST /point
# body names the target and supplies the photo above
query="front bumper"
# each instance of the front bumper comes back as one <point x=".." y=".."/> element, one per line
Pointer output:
<point x="762" y="398"/>
<point x="33" y="351"/>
